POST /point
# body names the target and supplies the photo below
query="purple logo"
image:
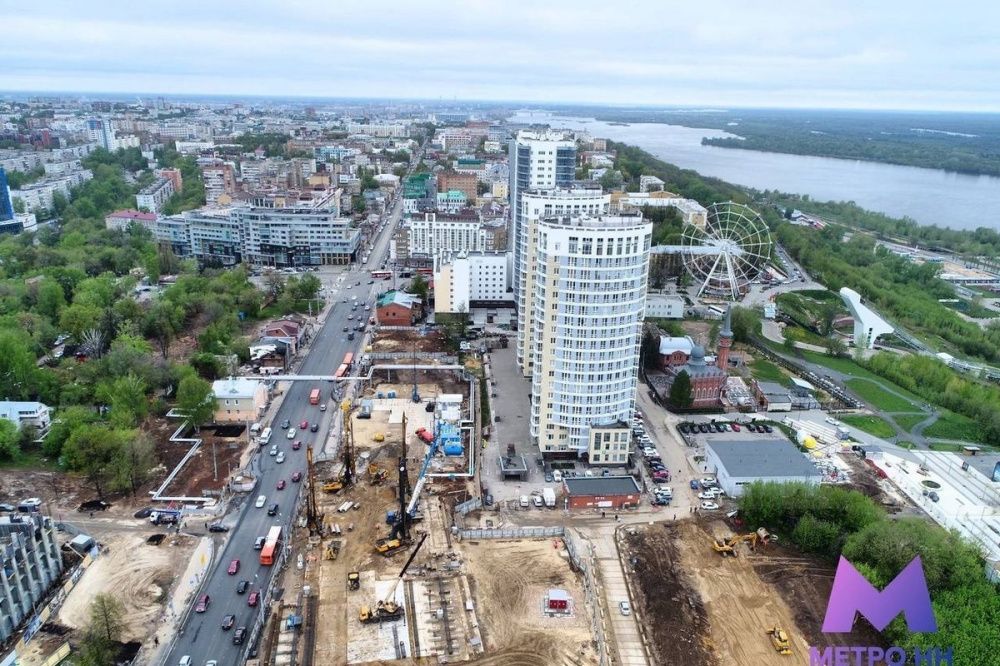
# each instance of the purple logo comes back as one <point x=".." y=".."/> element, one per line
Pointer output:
<point x="852" y="594"/>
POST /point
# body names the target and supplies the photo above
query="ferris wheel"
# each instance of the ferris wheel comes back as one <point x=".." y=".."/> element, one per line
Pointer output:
<point x="729" y="251"/>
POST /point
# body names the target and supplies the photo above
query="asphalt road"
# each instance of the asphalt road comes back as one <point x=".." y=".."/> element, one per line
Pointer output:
<point x="202" y="637"/>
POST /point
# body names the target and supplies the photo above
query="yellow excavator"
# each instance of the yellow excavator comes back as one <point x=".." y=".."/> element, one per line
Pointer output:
<point x="779" y="640"/>
<point x="728" y="546"/>
<point x="387" y="609"/>
<point x="376" y="475"/>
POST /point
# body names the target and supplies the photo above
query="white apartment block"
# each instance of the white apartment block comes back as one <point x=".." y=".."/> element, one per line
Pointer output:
<point x="192" y="147"/>
<point x="30" y="563"/>
<point x="62" y="167"/>
<point x="535" y="205"/>
<point x="435" y="233"/>
<point x="588" y="297"/>
<point x="383" y="130"/>
<point x="463" y="279"/>
<point x="650" y="184"/>
<point x="38" y="195"/>
<point x="31" y="414"/>
<point x="18" y="161"/>
<point x="154" y="196"/>
<point x="691" y="211"/>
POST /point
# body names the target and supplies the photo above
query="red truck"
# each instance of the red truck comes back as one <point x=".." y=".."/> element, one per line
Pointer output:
<point x="425" y="434"/>
<point x="314" y="397"/>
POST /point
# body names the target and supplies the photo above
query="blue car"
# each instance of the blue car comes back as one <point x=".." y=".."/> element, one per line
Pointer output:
<point x="694" y="484"/>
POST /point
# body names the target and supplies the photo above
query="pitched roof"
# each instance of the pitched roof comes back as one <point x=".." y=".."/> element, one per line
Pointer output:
<point x="133" y="215"/>
<point x="762" y="459"/>
<point x="669" y="345"/>
<point x="398" y="298"/>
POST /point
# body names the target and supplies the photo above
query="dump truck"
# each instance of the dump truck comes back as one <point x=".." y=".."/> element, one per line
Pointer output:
<point x="353" y="580"/>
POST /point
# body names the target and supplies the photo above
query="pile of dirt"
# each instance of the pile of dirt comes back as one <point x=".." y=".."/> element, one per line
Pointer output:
<point x="675" y="616"/>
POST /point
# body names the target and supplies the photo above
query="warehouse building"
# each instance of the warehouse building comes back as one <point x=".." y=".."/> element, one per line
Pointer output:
<point x="740" y="463"/>
<point x="601" y="492"/>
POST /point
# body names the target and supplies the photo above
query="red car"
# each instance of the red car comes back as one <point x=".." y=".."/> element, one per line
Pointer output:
<point x="296" y="477"/>
<point x="202" y="604"/>
<point x="281" y="484"/>
<point x="304" y="425"/>
<point x="253" y="598"/>
<point x="735" y="427"/>
<point x="297" y="445"/>
<point x="234" y="567"/>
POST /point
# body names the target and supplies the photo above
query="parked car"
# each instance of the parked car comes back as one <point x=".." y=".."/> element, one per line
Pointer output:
<point x="709" y="506"/>
<point x="296" y="477"/>
<point x="228" y="621"/>
<point x="706" y="495"/>
<point x="234" y="567"/>
<point x="216" y="527"/>
<point x="767" y="428"/>
<point x="684" y="428"/>
<point x="703" y="427"/>
<point x="694" y="484"/>
<point x="625" y="608"/>
<point x="735" y="427"/>
<point x="291" y="434"/>
<point x="202" y="605"/>
<point x="708" y="482"/>
<point x="242" y="586"/>
<point x="751" y="427"/>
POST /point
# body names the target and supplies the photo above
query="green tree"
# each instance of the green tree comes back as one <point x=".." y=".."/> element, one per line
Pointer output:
<point x="92" y="449"/>
<point x="163" y="322"/>
<point x="127" y="398"/>
<point x="835" y="346"/>
<point x="746" y="324"/>
<point x="107" y="617"/>
<point x="76" y="319"/>
<point x="19" y="207"/>
<point x="18" y="374"/>
<point x="196" y="400"/>
<point x="50" y="299"/>
<point x="95" y="650"/>
<point x="358" y="205"/>
<point x="10" y="440"/>
<point x="66" y="422"/>
<point x="681" y="393"/>
<point x="419" y="287"/>
<point x="132" y="462"/>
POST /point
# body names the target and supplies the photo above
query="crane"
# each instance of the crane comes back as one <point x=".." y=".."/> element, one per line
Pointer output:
<point x="313" y="517"/>
<point x="387" y="609"/>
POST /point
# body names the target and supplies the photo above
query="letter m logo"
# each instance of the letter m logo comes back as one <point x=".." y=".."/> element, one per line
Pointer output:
<point x="852" y="594"/>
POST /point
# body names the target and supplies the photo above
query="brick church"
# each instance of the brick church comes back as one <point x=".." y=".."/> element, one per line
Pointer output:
<point x="682" y="354"/>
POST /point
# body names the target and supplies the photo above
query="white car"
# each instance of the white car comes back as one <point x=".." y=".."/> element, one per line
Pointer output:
<point x="261" y="501"/>
<point x="291" y="433"/>
<point x="707" y="482"/>
<point x="625" y="608"/>
<point x="273" y="451"/>
<point x="706" y="495"/>
<point x="280" y="458"/>
<point x="709" y="506"/>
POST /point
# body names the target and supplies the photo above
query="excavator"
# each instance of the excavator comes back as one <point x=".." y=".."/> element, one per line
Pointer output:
<point x="353" y="580"/>
<point x="387" y="610"/>
<point x="779" y="640"/>
<point x="728" y="546"/>
<point x="376" y="474"/>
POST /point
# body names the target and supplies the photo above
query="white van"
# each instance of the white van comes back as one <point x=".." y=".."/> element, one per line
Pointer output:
<point x="525" y="502"/>
<point x="557" y="475"/>
<point x="265" y="436"/>
<point x="185" y="660"/>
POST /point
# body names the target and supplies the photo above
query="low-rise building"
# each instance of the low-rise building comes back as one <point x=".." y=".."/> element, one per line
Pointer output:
<point x="609" y="444"/>
<point x="650" y="184"/>
<point x="239" y="399"/>
<point x="35" y="415"/>
<point x="664" y="306"/>
<point x="737" y="464"/>
<point x="30" y="563"/>
<point x="121" y="219"/>
<point x="397" y="308"/>
<point x="153" y="196"/>
<point x="602" y="492"/>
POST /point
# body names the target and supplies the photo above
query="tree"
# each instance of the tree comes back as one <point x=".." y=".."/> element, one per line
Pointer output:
<point x="835" y="346"/>
<point x="419" y="286"/>
<point x="107" y="617"/>
<point x="19" y="205"/>
<point x="650" y="347"/>
<point x="49" y="299"/>
<point x="681" y="393"/>
<point x="91" y="449"/>
<point x="746" y="324"/>
<point x="788" y="343"/>
<point x="17" y="366"/>
<point x="66" y="422"/>
<point x="163" y="322"/>
<point x="274" y="284"/>
<point x="10" y="440"/>
<point x="196" y="400"/>
<point x="132" y="462"/>
<point x="95" y="650"/>
<point x="127" y="399"/>
<point x="358" y="205"/>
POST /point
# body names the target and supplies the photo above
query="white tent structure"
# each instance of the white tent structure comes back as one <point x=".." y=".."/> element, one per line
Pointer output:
<point x="867" y="324"/>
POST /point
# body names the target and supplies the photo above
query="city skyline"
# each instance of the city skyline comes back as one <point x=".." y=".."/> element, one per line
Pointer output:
<point x="784" y="55"/>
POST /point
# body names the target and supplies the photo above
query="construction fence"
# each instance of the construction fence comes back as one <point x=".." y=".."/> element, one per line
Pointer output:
<point x="513" y="533"/>
<point x="581" y="555"/>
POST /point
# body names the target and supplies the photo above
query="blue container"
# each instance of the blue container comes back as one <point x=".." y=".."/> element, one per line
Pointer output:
<point x="454" y="449"/>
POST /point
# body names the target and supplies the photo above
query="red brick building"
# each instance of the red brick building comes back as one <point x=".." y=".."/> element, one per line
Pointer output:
<point x="610" y="493"/>
<point x="464" y="182"/>
<point x="681" y="354"/>
<point x="397" y="308"/>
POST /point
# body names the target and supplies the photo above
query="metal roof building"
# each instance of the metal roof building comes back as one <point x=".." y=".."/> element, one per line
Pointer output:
<point x="740" y="463"/>
<point x="601" y="492"/>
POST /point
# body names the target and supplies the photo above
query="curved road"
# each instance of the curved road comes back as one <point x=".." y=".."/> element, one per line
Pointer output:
<point x="201" y="636"/>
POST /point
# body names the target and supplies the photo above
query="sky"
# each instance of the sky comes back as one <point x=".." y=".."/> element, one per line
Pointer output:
<point x="885" y="54"/>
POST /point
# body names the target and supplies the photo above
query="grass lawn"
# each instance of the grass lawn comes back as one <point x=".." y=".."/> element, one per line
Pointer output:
<point x="944" y="446"/>
<point x="800" y="334"/>
<point x="905" y="444"/>
<point x="849" y="367"/>
<point x="908" y="421"/>
<point x="764" y="370"/>
<point x="954" y="426"/>
<point x="33" y="459"/>
<point x="874" y="394"/>
<point x="873" y="425"/>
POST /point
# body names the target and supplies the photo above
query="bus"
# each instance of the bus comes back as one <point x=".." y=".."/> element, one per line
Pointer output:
<point x="349" y="360"/>
<point x="381" y="275"/>
<point x="425" y="271"/>
<point x="314" y="397"/>
<point x="271" y="545"/>
<point x="341" y="371"/>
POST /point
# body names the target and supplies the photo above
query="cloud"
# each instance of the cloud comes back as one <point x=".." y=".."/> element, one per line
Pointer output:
<point x="642" y="52"/>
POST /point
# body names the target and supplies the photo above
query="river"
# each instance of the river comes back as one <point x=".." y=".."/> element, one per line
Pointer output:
<point x="929" y="196"/>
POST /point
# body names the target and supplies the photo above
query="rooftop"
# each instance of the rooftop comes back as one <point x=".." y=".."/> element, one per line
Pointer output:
<point x="601" y="485"/>
<point x="398" y="298"/>
<point x="133" y="215"/>
<point x="235" y="387"/>
<point x="762" y="459"/>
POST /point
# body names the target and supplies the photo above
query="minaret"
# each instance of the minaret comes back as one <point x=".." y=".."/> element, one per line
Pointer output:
<point x="725" y="340"/>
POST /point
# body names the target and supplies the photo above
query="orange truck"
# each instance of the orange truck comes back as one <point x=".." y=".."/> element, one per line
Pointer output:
<point x="314" y="397"/>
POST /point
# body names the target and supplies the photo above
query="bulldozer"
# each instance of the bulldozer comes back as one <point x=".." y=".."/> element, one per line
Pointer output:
<point x="779" y="640"/>
<point x="353" y="580"/>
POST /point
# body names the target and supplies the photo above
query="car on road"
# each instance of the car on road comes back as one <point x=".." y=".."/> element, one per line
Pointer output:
<point x="280" y="458"/>
<point x="350" y="317"/>
<point x="549" y="478"/>
<point x="273" y="451"/>
<point x="291" y="434"/>
<point x="345" y="329"/>
<point x="242" y="586"/>
<point x="286" y="424"/>
<point x="281" y="484"/>
<point x="234" y="567"/>
<point x="253" y="598"/>
<point x="261" y="501"/>
<point x="303" y="425"/>
<point x="322" y="407"/>
<point x="202" y="604"/>
<point x="239" y="635"/>
<point x="259" y="542"/>
<point x="296" y="477"/>
<point x="625" y="608"/>
<point x="228" y="622"/>
<point x="216" y="527"/>
<point x="273" y="509"/>
<point x="314" y="427"/>
<point x="709" y="506"/>
<point x="297" y="445"/>
<point x="371" y="281"/>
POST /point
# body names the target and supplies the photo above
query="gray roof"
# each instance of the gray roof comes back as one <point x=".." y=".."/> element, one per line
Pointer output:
<point x="601" y="485"/>
<point x="762" y="458"/>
